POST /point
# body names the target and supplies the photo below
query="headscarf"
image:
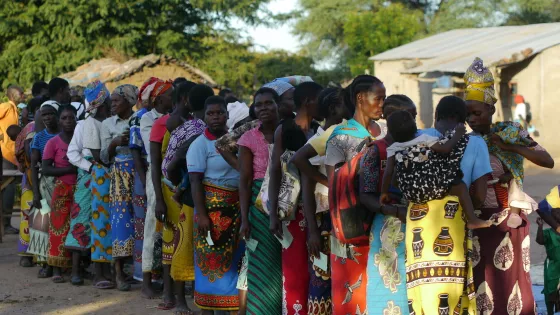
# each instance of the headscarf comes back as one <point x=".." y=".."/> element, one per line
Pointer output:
<point x="237" y="112"/>
<point x="53" y="104"/>
<point x="480" y="83"/>
<point x="551" y="201"/>
<point x="151" y="89"/>
<point x="279" y="86"/>
<point x="80" y="108"/>
<point x="128" y="91"/>
<point x="96" y="93"/>
<point x="295" y="80"/>
<point x="519" y="99"/>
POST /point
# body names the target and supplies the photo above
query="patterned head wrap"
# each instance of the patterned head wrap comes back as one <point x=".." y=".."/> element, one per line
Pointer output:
<point x="128" y="91"/>
<point x="153" y="88"/>
<point x="96" y="93"/>
<point x="552" y="201"/>
<point x="53" y="104"/>
<point x="279" y="86"/>
<point x="295" y="80"/>
<point x="480" y="83"/>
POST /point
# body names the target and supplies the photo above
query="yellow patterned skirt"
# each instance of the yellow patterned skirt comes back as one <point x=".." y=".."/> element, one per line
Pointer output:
<point x="170" y="232"/>
<point x="438" y="273"/>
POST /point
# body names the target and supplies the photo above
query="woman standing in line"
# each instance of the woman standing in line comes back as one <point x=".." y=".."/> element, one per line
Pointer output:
<point x="386" y="288"/>
<point x="291" y="135"/>
<point x="55" y="163"/>
<point x="264" y="276"/>
<point x="99" y="101"/>
<point x="115" y="133"/>
<point x="365" y="95"/>
<point x="501" y="252"/>
<point x="39" y="230"/>
<point x="217" y="218"/>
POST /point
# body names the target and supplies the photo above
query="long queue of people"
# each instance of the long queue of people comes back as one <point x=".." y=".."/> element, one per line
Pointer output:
<point x="301" y="204"/>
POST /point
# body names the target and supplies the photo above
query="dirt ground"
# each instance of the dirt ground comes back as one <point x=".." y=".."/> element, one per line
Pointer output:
<point x="22" y="293"/>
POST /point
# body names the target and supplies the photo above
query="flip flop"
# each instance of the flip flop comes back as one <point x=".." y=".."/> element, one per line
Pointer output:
<point x="76" y="280"/>
<point x="104" y="285"/>
<point x="58" y="279"/>
<point x="166" y="306"/>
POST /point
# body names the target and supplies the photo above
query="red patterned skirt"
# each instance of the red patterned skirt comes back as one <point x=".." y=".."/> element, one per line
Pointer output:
<point x="62" y="200"/>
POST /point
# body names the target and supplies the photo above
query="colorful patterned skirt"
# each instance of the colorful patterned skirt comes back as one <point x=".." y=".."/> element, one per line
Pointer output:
<point x="439" y="277"/>
<point x="170" y="232"/>
<point x="295" y="275"/>
<point x="386" y="288"/>
<point x="62" y="200"/>
<point x="139" y="205"/>
<point x="182" y="265"/>
<point x="39" y="222"/>
<point x="320" y="300"/>
<point x="217" y="265"/>
<point x="101" y="247"/>
<point x="79" y="237"/>
<point x="26" y="204"/>
<point x="122" y="214"/>
<point x="349" y="280"/>
<point x="264" y="273"/>
<point x="151" y="251"/>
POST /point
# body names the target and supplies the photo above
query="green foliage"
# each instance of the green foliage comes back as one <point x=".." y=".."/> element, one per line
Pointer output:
<point x="372" y="32"/>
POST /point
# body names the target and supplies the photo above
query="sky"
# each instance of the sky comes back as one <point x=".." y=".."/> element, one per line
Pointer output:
<point x="279" y="36"/>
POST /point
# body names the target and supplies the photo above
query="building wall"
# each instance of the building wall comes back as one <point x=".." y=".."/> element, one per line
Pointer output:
<point x="537" y="80"/>
<point x="397" y="83"/>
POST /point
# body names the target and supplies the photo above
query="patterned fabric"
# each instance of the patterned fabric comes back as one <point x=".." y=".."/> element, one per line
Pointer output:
<point x="424" y="175"/>
<point x="56" y="150"/>
<point x="437" y="267"/>
<point x="295" y="80"/>
<point x="135" y="140"/>
<point x="480" y="83"/>
<point x="96" y="93"/>
<point x="295" y="278"/>
<point x="551" y="201"/>
<point x="152" y="247"/>
<point x="511" y="133"/>
<point x="216" y="266"/>
<point x="501" y="255"/>
<point x="101" y="246"/>
<point x="182" y="265"/>
<point x="62" y="199"/>
<point x="319" y="301"/>
<point x="22" y="157"/>
<point x="264" y="273"/>
<point x="79" y="237"/>
<point x="228" y="142"/>
<point x="352" y="128"/>
<point x="152" y="88"/>
<point x="170" y="227"/>
<point x="128" y="91"/>
<point x="120" y="207"/>
<point x="179" y="136"/>
<point x="139" y="205"/>
<point x="255" y="141"/>
<point x="279" y="86"/>
<point x="26" y="203"/>
<point x="552" y="263"/>
<point x="386" y="289"/>
<point x="39" y="223"/>
<point x="349" y="280"/>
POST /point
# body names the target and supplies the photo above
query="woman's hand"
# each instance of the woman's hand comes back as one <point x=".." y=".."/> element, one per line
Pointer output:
<point x="204" y="224"/>
<point x="497" y="141"/>
<point x="314" y="244"/>
<point x="245" y="230"/>
<point x="385" y="199"/>
<point x="161" y="211"/>
<point x="177" y="196"/>
<point x="401" y="213"/>
<point x="505" y="178"/>
<point x="540" y="222"/>
<point x="460" y="130"/>
<point x="37" y="202"/>
<point x="275" y="225"/>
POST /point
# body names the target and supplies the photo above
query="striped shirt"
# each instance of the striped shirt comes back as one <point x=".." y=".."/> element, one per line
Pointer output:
<point x="40" y="140"/>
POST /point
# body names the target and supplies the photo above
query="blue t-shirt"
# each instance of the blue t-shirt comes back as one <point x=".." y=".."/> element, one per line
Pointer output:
<point x="135" y="141"/>
<point x="476" y="159"/>
<point x="203" y="157"/>
<point x="40" y="140"/>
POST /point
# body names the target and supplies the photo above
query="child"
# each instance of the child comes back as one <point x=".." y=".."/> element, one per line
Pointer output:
<point x="13" y="132"/>
<point x="550" y="239"/>
<point x="428" y="167"/>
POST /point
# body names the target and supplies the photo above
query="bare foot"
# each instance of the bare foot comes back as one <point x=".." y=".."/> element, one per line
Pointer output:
<point x="148" y="292"/>
<point x="182" y="309"/>
<point x="477" y="223"/>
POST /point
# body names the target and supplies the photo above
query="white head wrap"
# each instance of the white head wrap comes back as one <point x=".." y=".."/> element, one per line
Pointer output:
<point x="237" y="111"/>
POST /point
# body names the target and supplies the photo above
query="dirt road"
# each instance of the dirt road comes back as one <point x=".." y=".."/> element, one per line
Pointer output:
<point x="22" y="293"/>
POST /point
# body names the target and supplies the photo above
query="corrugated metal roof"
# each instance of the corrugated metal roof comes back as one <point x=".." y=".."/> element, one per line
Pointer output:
<point x="454" y="51"/>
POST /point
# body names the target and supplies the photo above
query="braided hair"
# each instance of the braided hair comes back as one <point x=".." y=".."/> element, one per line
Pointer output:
<point x="361" y="83"/>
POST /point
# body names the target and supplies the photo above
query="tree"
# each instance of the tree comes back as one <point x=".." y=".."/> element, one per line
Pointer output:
<point x="40" y="39"/>
<point x="372" y="32"/>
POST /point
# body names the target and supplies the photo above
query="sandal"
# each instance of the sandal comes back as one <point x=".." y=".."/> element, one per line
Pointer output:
<point x="77" y="280"/>
<point x="58" y="279"/>
<point x="45" y="272"/>
<point x="166" y="306"/>
<point x="26" y="262"/>
<point x="104" y="285"/>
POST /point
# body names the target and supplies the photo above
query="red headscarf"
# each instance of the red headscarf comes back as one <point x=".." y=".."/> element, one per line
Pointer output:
<point x="519" y="99"/>
<point x="152" y="88"/>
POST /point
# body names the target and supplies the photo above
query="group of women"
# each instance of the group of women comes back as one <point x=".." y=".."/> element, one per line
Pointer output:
<point x="244" y="210"/>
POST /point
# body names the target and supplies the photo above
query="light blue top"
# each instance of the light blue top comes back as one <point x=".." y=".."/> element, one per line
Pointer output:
<point x="202" y="157"/>
<point x="476" y="160"/>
